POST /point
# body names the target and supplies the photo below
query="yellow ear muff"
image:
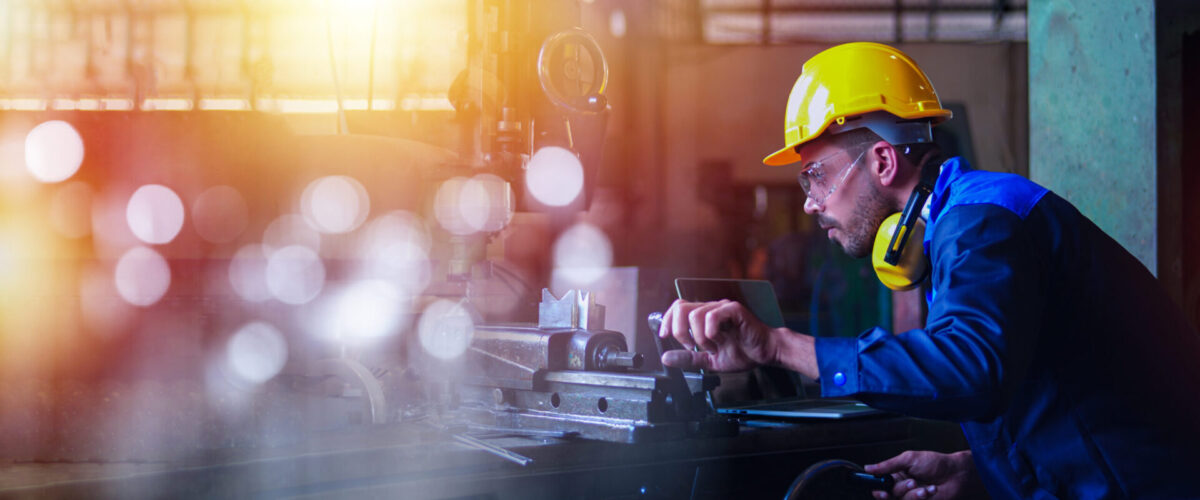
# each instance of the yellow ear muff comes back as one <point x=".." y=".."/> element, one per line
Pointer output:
<point x="912" y="268"/>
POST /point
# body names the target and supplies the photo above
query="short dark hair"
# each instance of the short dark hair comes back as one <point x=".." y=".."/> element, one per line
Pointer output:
<point x="855" y="141"/>
<point x="858" y="140"/>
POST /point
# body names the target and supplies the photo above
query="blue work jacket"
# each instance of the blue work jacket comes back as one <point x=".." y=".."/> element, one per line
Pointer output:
<point x="1071" y="371"/>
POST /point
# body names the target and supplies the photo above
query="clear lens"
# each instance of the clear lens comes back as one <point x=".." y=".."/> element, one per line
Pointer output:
<point x="815" y="176"/>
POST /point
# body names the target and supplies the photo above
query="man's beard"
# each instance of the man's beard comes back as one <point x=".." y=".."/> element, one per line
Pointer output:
<point x="859" y="232"/>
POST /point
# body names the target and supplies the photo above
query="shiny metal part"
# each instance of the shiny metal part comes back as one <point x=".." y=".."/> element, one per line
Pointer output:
<point x="510" y="355"/>
<point x="620" y="407"/>
<point x="499" y="451"/>
<point x="616" y="359"/>
<point x="576" y="309"/>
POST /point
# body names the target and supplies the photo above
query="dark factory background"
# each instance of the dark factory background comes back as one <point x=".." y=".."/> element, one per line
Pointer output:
<point x="204" y="202"/>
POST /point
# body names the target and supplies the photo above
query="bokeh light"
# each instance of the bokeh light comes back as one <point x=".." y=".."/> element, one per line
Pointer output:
<point x="582" y="254"/>
<point x="53" y="151"/>
<point x="369" y="310"/>
<point x="295" y="274"/>
<point x="554" y="176"/>
<point x="446" y="329"/>
<point x="256" y="353"/>
<point x="395" y="247"/>
<point x="448" y="205"/>
<point x="248" y="273"/>
<point x="616" y="23"/>
<point x="142" y="276"/>
<point x="487" y="203"/>
<point x="102" y="309"/>
<point x="481" y="203"/>
<point x="288" y="230"/>
<point x="154" y="214"/>
<point x="474" y="204"/>
<point x="220" y="214"/>
<point x="335" y="204"/>
<point x="71" y="209"/>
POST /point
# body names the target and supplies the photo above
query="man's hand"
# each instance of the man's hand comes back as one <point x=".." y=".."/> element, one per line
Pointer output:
<point x="730" y="337"/>
<point x="931" y="476"/>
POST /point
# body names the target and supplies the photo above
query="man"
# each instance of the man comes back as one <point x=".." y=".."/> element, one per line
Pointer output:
<point x="1069" y="369"/>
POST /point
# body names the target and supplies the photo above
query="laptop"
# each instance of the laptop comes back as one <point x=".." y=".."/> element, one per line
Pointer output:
<point x="759" y="297"/>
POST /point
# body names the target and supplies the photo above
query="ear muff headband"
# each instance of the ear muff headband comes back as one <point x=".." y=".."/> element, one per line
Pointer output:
<point x="898" y="265"/>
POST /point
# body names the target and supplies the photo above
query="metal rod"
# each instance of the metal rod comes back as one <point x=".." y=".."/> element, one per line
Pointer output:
<point x="623" y="360"/>
<point x="511" y="456"/>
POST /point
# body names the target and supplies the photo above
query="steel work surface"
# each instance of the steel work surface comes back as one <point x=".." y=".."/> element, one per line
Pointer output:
<point x="414" y="461"/>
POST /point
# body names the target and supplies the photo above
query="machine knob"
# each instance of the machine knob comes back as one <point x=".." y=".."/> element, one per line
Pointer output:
<point x="616" y="359"/>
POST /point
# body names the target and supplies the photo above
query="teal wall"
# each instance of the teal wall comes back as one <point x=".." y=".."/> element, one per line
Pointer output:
<point x="1092" y="86"/>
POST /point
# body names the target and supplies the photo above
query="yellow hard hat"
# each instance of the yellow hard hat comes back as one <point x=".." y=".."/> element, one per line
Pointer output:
<point x="857" y="79"/>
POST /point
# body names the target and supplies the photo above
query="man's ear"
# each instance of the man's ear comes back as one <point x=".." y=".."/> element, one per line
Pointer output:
<point x="887" y="163"/>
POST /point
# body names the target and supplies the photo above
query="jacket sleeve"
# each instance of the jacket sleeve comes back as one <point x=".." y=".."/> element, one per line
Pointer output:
<point x="978" y="339"/>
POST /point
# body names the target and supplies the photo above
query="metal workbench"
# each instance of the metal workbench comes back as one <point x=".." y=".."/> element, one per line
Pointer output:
<point x="416" y="461"/>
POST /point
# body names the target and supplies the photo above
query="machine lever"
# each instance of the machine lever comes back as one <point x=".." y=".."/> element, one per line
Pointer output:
<point x="678" y="389"/>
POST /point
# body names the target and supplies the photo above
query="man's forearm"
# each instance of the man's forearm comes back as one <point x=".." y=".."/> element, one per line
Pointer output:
<point x="796" y="352"/>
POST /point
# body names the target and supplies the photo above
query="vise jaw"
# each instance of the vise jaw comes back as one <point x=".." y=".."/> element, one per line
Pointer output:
<point x="576" y="309"/>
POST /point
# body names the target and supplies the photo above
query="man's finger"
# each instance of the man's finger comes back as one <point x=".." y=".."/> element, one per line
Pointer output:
<point x="697" y="320"/>
<point x="903" y="487"/>
<point x="922" y="493"/>
<point x="687" y="360"/>
<point x="722" y="320"/>
<point x="898" y="463"/>
<point x="664" y="327"/>
<point x="679" y="323"/>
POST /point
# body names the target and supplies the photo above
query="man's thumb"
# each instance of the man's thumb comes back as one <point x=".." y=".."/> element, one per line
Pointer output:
<point x="686" y="360"/>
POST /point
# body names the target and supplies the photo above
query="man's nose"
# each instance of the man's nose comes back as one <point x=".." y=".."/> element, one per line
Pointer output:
<point x="811" y="207"/>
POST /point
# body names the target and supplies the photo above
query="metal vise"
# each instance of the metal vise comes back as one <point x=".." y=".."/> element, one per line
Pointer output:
<point x="513" y="354"/>
<point x="568" y="374"/>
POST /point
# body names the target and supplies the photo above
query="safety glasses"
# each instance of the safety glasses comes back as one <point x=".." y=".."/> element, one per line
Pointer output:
<point x="816" y="178"/>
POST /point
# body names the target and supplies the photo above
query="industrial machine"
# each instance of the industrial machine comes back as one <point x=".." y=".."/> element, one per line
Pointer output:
<point x="535" y="83"/>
